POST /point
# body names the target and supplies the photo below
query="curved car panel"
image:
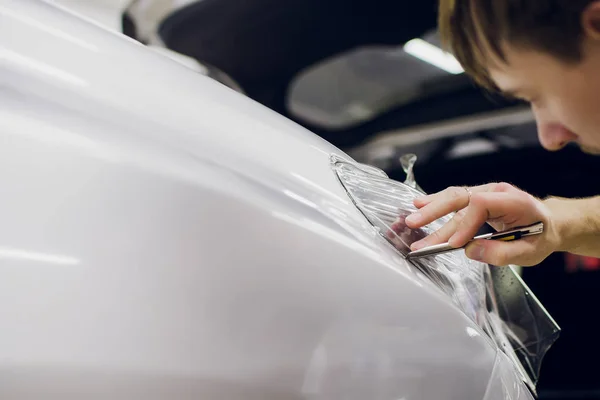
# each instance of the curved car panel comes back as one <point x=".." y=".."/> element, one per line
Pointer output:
<point x="165" y="237"/>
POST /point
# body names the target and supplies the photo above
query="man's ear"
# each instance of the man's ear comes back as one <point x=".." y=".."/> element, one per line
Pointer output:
<point x="590" y="20"/>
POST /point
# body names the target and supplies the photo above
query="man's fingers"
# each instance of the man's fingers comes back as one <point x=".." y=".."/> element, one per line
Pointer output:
<point x="504" y="207"/>
<point x="437" y="205"/>
<point x="501" y="254"/>
<point x="505" y="187"/>
<point x="420" y="202"/>
<point x="441" y="235"/>
<point x="500" y="204"/>
<point x="443" y="203"/>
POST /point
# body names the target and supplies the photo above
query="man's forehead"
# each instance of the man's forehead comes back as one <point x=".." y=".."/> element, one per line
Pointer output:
<point x="506" y="82"/>
<point x="506" y="73"/>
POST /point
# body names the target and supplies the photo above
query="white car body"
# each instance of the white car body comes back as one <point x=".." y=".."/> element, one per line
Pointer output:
<point x="165" y="237"/>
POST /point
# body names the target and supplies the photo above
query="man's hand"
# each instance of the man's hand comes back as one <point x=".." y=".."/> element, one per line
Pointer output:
<point x="499" y="204"/>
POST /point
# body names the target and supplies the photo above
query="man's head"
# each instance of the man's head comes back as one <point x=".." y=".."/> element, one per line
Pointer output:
<point x="546" y="52"/>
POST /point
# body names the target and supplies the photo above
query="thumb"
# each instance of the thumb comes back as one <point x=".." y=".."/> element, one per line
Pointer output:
<point x="521" y="252"/>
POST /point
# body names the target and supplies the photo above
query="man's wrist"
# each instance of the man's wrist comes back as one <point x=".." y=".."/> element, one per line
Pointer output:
<point x="559" y="226"/>
<point x="573" y="222"/>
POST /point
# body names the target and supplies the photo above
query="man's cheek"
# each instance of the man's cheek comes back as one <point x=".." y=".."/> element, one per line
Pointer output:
<point x="590" y="150"/>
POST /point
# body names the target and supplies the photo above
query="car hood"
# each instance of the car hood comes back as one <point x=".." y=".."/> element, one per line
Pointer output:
<point x="163" y="101"/>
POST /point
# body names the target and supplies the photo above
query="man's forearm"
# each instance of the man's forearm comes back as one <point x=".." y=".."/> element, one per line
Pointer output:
<point x="577" y="223"/>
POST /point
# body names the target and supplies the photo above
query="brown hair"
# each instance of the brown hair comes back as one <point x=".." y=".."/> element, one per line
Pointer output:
<point x="467" y="27"/>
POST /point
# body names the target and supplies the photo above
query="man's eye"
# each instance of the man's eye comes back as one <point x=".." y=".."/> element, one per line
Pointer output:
<point x="516" y="97"/>
<point x="527" y="99"/>
<point x="531" y="100"/>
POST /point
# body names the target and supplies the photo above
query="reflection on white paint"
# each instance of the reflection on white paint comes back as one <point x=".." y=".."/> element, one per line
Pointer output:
<point x="299" y="198"/>
<point x="337" y="237"/>
<point x="46" y="28"/>
<point x="433" y="55"/>
<point x="36" y="66"/>
<point x="22" y="255"/>
<point x="105" y="13"/>
<point x="324" y="231"/>
<point x="472" y="332"/>
<point x="314" y="185"/>
<point x="37" y="129"/>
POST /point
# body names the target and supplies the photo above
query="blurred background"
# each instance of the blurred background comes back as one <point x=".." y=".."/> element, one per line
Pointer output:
<point x="369" y="77"/>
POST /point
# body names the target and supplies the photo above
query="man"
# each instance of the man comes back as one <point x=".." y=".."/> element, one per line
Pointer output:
<point x="546" y="52"/>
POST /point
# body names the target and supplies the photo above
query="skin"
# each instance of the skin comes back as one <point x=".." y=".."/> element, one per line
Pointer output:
<point x="565" y="100"/>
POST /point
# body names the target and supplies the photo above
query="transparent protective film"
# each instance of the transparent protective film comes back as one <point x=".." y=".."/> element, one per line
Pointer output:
<point x="494" y="298"/>
<point x="502" y="383"/>
<point x="529" y="328"/>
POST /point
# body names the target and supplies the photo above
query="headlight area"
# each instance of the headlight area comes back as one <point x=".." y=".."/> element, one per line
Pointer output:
<point x="496" y="299"/>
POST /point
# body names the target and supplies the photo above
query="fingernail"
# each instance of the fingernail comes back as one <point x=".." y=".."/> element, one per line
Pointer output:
<point x="475" y="252"/>
<point x="413" y="218"/>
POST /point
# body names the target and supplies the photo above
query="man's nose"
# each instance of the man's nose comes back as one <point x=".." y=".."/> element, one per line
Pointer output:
<point x="554" y="136"/>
